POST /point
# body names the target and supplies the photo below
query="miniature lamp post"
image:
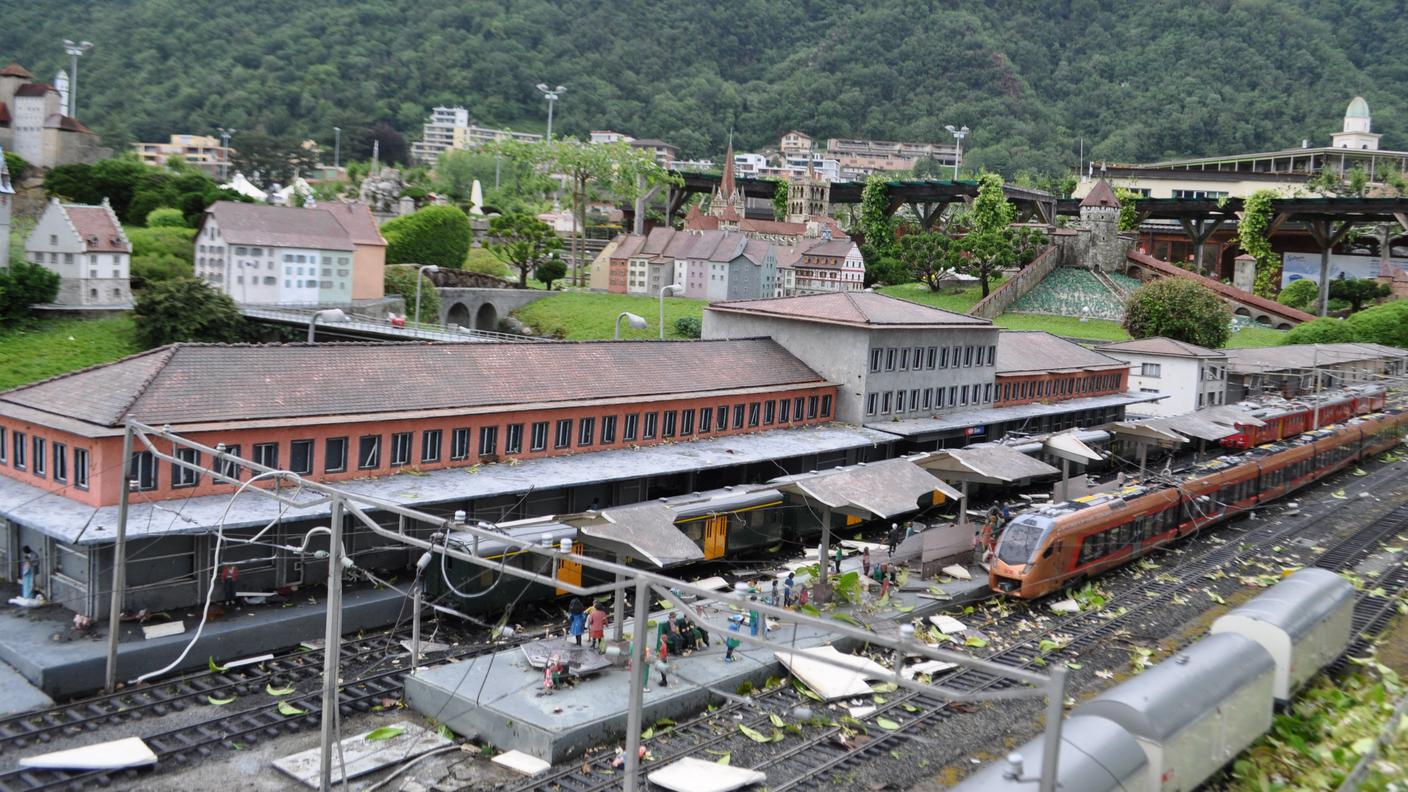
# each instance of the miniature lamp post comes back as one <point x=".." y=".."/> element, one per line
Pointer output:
<point x="550" y="94"/>
<point x="74" y="50"/>
<point x="327" y="315"/>
<point x="958" y="135"/>
<point x="638" y="322"/>
<point x="673" y="288"/>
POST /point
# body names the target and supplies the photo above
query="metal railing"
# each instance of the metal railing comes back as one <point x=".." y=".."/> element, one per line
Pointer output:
<point x="409" y="331"/>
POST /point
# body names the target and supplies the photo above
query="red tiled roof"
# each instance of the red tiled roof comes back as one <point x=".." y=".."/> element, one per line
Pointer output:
<point x="1039" y="352"/>
<point x="16" y="70"/>
<point x="1158" y="345"/>
<point x="1101" y="195"/>
<point x="98" y="229"/>
<point x="66" y="123"/>
<point x="866" y="309"/>
<point x="34" y="89"/>
<point x="357" y="220"/>
<point x="4" y="114"/>
<point x="200" y="383"/>
<point x="1229" y="292"/>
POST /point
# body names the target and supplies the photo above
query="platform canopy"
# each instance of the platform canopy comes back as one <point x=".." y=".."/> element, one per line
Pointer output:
<point x="1146" y="433"/>
<point x="1066" y="445"/>
<point x="868" y="490"/>
<point x="642" y="530"/>
<point x="984" y="465"/>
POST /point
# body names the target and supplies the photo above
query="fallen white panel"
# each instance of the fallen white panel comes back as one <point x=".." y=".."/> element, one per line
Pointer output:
<point x="248" y="661"/>
<point x="712" y="583"/>
<point x="861" y="712"/>
<point x="114" y="755"/>
<point x="162" y="630"/>
<point x="426" y="647"/>
<point x="522" y="762"/>
<point x="263" y="594"/>
<point x="957" y="571"/>
<point x="1065" y="606"/>
<point x="363" y="756"/>
<point x="696" y="775"/>
<point x="947" y="624"/>
<point x="929" y="667"/>
<point x="858" y="546"/>
<point x="839" y="675"/>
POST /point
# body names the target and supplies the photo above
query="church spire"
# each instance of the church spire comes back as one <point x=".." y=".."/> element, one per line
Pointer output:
<point x="726" y="184"/>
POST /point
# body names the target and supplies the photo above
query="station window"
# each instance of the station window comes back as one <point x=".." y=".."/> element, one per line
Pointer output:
<point x="871" y="400"/>
<point x="992" y="355"/>
<point x="956" y="357"/>
<point x="608" y="429"/>
<point x="963" y="394"/>
<point x="488" y="440"/>
<point x="513" y="438"/>
<point x="753" y="413"/>
<point x="38" y="460"/>
<point x="540" y="436"/>
<point x="877" y="356"/>
<point x="647" y="430"/>
<point x="721" y="418"/>
<point x="628" y="428"/>
<point x="3" y="455"/>
<point x="300" y="454"/>
<point x="918" y="359"/>
<point x="183" y="476"/>
<point x="932" y="360"/>
<point x="400" y="448"/>
<point x="706" y="420"/>
<point x="686" y="422"/>
<point x="967" y="357"/>
<point x="943" y="357"/>
<point x="914" y="399"/>
<point x="564" y="434"/>
<point x="953" y="395"/>
<point x="586" y="431"/>
<point x="430" y="440"/>
<point x="143" y="470"/>
<point x="334" y="455"/>
<point x="904" y="359"/>
<point x="266" y="454"/>
<point x="784" y="410"/>
<point x="797" y="408"/>
<point x="813" y="402"/>
<point x="769" y="412"/>
<point x="667" y="423"/>
<point x="938" y="398"/>
<point x="890" y="358"/>
<point x="886" y="401"/>
<point x="899" y="402"/>
<point x="80" y="468"/>
<point x="928" y="398"/>
<point x="369" y="452"/>
<point x="826" y="406"/>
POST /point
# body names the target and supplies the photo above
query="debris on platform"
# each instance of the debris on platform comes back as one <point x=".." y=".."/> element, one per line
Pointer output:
<point x="151" y="631"/>
<point x="696" y="775"/>
<point x="37" y="601"/>
<point x="839" y="675"/>
<point x="522" y="763"/>
<point x="947" y="624"/>
<point x="1067" y="605"/>
<point x="957" y="572"/>
<point x="426" y="647"/>
<point x="114" y="755"/>
<point x="929" y="667"/>
<point x="861" y="712"/>
<point x="363" y="755"/>
<point x="580" y="660"/>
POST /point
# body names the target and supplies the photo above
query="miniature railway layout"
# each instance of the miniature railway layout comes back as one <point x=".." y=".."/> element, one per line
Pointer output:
<point x="810" y="761"/>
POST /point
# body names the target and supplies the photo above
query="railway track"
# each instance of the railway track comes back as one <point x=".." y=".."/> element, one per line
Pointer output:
<point x="805" y="764"/>
<point x="188" y="743"/>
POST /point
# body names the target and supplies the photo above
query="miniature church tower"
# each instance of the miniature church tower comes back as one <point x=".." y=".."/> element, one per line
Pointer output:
<point x="727" y="202"/>
<point x="1356" y="134"/>
<point x="7" y="201"/>
<point x="808" y="195"/>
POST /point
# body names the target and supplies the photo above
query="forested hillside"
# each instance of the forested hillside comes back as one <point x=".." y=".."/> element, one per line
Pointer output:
<point x="1137" y="79"/>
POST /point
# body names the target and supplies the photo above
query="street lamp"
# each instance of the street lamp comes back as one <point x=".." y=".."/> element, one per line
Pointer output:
<point x="336" y="147"/>
<point x="672" y="288"/>
<point x="637" y="322"/>
<point x="74" y="50"/>
<point x="225" y="135"/>
<point x="420" y="274"/>
<point x="958" y="135"/>
<point x="551" y="95"/>
<point x="328" y="315"/>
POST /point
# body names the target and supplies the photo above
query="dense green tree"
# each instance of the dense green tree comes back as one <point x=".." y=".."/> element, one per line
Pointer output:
<point x="1383" y="324"/>
<point x="550" y="270"/>
<point x="402" y="280"/>
<point x="24" y="284"/>
<point x="523" y="242"/>
<point x="877" y="225"/>
<point x="267" y="160"/>
<point x="930" y="168"/>
<point x="1300" y="294"/>
<point x="992" y="243"/>
<point x="166" y="217"/>
<point x="1181" y="309"/>
<point x="186" y="309"/>
<point x="1358" y="291"/>
<point x="17" y="165"/>
<point x="688" y="327"/>
<point x="437" y="235"/>
<point x="1325" y="330"/>
<point x="928" y="257"/>
<point x="147" y="270"/>
<point x="779" y="200"/>
<point x="1254" y="236"/>
<point x="1129" y="211"/>
<point x="135" y="190"/>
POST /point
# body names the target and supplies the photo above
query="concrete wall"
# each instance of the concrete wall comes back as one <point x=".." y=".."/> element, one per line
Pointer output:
<point x="999" y="300"/>
<point x="368" y="272"/>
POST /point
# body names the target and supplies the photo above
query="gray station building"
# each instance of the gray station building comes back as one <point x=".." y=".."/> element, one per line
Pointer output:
<point x="892" y="359"/>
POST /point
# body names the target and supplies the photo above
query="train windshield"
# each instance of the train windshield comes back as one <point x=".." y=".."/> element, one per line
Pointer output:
<point x="1021" y="539"/>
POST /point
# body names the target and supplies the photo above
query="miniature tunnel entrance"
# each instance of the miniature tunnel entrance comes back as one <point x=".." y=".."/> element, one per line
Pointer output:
<point x="458" y="315"/>
<point x="486" y="318"/>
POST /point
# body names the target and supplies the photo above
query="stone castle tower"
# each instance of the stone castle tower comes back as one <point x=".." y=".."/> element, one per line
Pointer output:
<point x="1100" y="213"/>
<point x="808" y="195"/>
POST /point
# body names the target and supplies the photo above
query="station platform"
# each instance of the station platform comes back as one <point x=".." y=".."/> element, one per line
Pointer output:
<point x="40" y="646"/>
<point x="17" y="695"/>
<point x="497" y="698"/>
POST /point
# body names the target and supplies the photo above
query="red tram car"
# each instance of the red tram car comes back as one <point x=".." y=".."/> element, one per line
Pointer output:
<point x="1298" y="417"/>
<point x="1046" y="549"/>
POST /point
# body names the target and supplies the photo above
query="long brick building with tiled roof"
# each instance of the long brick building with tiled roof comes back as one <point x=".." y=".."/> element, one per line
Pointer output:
<point x="345" y="411"/>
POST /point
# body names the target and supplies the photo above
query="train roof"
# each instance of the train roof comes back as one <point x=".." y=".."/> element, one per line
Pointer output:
<point x="1096" y="756"/>
<point x="1165" y="699"/>
<point x="1300" y="603"/>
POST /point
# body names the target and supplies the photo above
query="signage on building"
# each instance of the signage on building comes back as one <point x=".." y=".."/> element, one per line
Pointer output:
<point x="973" y="431"/>
<point x="1298" y="266"/>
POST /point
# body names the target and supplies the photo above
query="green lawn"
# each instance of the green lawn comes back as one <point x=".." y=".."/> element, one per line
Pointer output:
<point x="43" y="348"/>
<point x="1068" y="326"/>
<point x="581" y="316"/>
<point x="1256" y="337"/>
<point x="956" y="301"/>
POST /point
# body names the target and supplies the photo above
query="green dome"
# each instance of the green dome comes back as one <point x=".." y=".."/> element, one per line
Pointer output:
<point x="1358" y="108"/>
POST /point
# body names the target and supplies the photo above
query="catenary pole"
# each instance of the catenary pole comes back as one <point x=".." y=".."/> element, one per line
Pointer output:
<point x="331" y="645"/>
<point x="119" y="560"/>
<point x="1051" y="740"/>
<point x="638" y="676"/>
